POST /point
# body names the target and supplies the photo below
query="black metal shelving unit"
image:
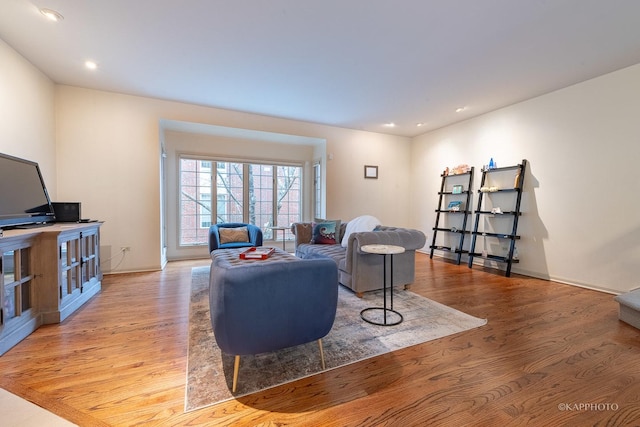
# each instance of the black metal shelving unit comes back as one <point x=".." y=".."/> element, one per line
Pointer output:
<point x="517" y="173"/>
<point x="445" y="195"/>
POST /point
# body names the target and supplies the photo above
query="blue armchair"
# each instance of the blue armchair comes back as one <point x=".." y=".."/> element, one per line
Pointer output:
<point x="228" y="240"/>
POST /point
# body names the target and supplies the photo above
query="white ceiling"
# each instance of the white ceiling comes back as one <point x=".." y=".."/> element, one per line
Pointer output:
<point x="348" y="63"/>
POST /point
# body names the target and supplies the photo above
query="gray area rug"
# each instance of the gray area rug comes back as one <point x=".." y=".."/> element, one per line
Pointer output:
<point x="210" y="372"/>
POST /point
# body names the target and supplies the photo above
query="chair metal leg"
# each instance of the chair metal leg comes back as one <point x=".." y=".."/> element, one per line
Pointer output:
<point x="236" y="367"/>
<point x="321" y="353"/>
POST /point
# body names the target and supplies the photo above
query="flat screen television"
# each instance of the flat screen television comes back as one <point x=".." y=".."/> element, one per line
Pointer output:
<point x="23" y="195"/>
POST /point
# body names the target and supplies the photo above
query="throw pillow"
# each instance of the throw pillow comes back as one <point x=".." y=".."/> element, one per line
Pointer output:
<point x="231" y="235"/>
<point x="359" y="224"/>
<point x="339" y="226"/>
<point x="324" y="233"/>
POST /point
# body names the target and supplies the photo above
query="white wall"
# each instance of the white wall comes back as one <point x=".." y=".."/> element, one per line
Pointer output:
<point x="580" y="221"/>
<point x="109" y="159"/>
<point x="350" y="195"/>
<point x="27" y="114"/>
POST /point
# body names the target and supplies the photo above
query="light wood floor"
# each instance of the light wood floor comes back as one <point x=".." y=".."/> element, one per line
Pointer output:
<point x="550" y="354"/>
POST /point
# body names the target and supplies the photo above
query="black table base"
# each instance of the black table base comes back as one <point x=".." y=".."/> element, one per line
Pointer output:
<point x="384" y="322"/>
<point x="384" y="309"/>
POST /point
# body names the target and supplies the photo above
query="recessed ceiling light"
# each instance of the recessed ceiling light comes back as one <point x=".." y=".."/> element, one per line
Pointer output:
<point x="460" y="109"/>
<point x="390" y="124"/>
<point x="420" y="124"/>
<point x="52" y="15"/>
<point x="91" y="65"/>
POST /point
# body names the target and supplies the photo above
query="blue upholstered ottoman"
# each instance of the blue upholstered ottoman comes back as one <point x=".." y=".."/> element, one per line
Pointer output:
<point x="260" y="306"/>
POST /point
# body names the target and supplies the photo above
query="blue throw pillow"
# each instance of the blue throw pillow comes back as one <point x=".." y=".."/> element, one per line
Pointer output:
<point x="325" y="233"/>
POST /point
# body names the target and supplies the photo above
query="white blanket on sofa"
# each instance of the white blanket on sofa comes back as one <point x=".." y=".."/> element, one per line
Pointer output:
<point x="361" y="223"/>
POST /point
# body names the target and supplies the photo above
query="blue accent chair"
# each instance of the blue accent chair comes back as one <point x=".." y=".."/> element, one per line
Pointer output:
<point x="255" y="236"/>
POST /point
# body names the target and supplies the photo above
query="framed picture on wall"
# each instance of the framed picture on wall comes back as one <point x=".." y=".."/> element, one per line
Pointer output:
<point x="370" y="172"/>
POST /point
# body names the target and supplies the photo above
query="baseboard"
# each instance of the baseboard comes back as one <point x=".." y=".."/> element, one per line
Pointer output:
<point x="142" y="270"/>
<point x="523" y="272"/>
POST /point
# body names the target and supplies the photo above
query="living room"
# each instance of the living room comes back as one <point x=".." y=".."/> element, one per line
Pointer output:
<point x="580" y="142"/>
<point x="105" y="150"/>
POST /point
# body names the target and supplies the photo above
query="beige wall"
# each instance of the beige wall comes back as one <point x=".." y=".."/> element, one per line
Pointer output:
<point x="103" y="149"/>
<point x="27" y="114"/>
<point x="109" y="158"/>
<point x="580" y="223"/>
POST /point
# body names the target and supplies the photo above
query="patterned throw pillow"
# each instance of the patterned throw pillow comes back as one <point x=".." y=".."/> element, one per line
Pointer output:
<point x="325" y="233"/>
<point x="231" y="235"/>
<point x="339" y="226"/>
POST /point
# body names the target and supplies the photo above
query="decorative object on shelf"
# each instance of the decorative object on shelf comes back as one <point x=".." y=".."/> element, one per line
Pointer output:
<point x="456" y="203"/>
<point x="445" y="172"/>
<point x="459" y="170"/>
<point x="485" y="192"/>
<point x="492" y="165"/>
<point x="455" y="206"/>
<point x="370" y="172"/>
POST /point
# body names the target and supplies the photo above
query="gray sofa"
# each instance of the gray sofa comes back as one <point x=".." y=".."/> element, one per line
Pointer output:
<point x="359" y="271"/>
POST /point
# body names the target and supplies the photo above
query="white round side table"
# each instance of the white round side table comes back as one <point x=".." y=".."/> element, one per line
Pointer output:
<point x="384" y="250"/>
<point x="275" y="229"/>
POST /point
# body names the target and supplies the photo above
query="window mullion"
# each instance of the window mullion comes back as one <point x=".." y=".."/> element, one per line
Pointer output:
<point x="274" y="185"/>
<point x="214" y="192"/>
<point x="245" y="191"/>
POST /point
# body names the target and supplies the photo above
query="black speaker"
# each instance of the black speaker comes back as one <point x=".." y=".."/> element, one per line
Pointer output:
<point x="66" y="211"/>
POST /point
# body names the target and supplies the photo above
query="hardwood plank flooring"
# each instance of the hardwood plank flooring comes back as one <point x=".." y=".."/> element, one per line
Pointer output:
<point x="551" y="354"/>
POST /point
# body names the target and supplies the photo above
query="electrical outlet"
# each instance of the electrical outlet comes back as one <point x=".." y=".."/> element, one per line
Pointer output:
<point x="125" y="248"/>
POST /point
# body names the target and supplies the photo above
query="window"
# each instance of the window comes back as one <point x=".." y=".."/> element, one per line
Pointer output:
<point x="260" y="194"/>
<point x="317" y="191"/>
<point x="261" y="197"/>
<point x="229" y="192"/>
<point x="195" y="199"/>
<point x="289" y="196"/>
<point x="205" y="211"/>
